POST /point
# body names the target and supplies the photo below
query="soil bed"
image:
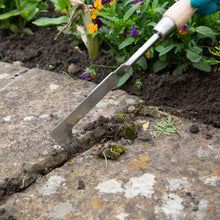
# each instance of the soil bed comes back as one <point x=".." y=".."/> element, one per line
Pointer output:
<point x="194" y="94"/>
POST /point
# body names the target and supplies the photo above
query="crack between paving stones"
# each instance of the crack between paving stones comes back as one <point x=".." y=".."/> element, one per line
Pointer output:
<point x="99" y="131"/>
<point x="29" y="175"/>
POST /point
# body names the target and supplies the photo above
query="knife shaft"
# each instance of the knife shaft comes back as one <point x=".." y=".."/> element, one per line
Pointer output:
<point x="62" y="133"/>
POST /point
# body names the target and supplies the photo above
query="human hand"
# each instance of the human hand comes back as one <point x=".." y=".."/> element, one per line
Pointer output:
<point x="205" y="7"/>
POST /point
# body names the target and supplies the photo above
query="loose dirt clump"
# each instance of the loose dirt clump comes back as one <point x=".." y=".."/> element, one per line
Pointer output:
<point x="100" y="131"/>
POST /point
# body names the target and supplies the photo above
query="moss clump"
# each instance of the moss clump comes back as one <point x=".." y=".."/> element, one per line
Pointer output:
<point x="111" y="151"/>
<point x="120" y="117"/>
<point x="129" y="132"/>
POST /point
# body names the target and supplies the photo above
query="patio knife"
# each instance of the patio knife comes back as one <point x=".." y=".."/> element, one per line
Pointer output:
<point x="173" y="19"/>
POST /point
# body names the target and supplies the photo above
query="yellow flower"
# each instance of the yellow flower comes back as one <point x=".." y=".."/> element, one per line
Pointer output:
<point x="64" y="11"/>
<point x="98" y="4"/>
<point x="93" y="28"/>
<point x="147" y="54"/>
<point x="112" y="2"/>
<point x="92" y="76"/>
<point x="94" y="13"/>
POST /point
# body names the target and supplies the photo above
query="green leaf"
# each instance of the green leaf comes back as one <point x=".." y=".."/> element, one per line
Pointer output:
<point x="13" y="28"/>
<point x="171" y="130"/>
<point x="124" y="78"/>
<point x="126" y="42"/>
<point x="2" y="5"/>
<point x="163" y="50"/>
<point x="28" y="31"/>
<point x="9" y="14"/>
<point x="106" y="23"/>
<point x="165" y="133"/>
<point x="29" y="13"/>
<point x="159" y="65"/>
<point x="160" y="10"/>
<point x="163" y="57"/>
<point x="206" y="31"/>
<point x="131" y="10"/>
<point x="60" y="4"/>
<point x="109" y="17"/>
<point x="120" y="59"/>
<point x="196" y="50"/>
<point x="154" y="4"/>
<point x="128" y="2"/>
<point x="193" y="54"/>
<point x="152" y="23"/>
<point x="169" y="118"/>
<point x="179" y="69"/>
<point x="202" y="66"/>
<point x="142" y="62"/>
<point x="50" y="21"/>
<point x="145" y="5"/>
<point x="158" y="128"/>
<point x="212" y="61"/>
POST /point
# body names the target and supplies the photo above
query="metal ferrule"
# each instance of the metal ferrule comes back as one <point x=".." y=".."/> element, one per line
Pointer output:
<point x="165" y="27"/>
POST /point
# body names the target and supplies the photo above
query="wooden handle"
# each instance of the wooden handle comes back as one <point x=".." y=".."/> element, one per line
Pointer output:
<point x="180" y="12"/>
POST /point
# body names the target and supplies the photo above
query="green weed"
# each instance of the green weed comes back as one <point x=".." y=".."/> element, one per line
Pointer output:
<point x="165" y="126"/>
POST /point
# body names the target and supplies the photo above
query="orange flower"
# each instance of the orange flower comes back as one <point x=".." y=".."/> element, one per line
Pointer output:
<point x="183" y="32"/>
<point x="94" y="13"/>
<point x="112" y="2"/>
<point x="93" y="28"/>
<point x="98" y="4"/>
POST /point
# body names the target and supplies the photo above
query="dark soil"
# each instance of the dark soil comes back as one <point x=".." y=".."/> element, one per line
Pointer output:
<point x="194" y="94"/>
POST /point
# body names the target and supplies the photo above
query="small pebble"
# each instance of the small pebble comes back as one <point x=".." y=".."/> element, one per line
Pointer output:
<point x="144" y="136"/>
<point x="17" y="63"/>
<point x="208" y="136"/>
<point x="11" y="217"/>
<point x="2" y="210"/>
<point x="72" y="68"/>
<point x="131" y="108"/>
<point x="51" y="66"/>
<point x="194" y="129"/>
<point x="196" y="202"/>
<point x="81" y="184"/>
<point x="195" y="208"/>
<point x="188" y="193"/>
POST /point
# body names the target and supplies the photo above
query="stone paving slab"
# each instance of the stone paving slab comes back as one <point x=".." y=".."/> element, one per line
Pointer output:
<point x="32" y="103"/>
<point x="169" y="177"/>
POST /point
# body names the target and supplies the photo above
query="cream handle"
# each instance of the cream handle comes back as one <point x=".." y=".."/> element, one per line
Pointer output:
<point x="180" y="12"/>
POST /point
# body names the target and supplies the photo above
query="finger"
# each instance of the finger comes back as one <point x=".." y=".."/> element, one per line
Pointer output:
<point x="208" y="9"/>
<point x="217" y="2"/>
<point x="199" y="3"/>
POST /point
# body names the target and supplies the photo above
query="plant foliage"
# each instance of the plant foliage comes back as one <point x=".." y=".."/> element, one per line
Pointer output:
<point x="15" y="14"/>
<point x="127" y="25"/>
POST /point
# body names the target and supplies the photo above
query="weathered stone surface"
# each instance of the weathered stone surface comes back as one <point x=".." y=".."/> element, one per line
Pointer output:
<point x="171" y="177"/>
<point x="32" y="103"/>
<point x="167" y="177"/>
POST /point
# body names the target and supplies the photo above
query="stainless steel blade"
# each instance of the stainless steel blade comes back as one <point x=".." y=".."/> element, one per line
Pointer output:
<point x="62" y="133"/>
